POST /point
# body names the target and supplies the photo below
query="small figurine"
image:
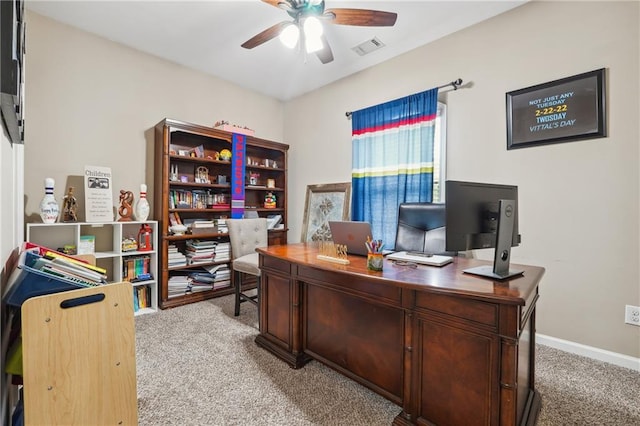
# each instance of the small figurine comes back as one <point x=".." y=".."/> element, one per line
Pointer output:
<point x="69" y="207"/>
<point x="202" y="175"/>
<point x="129" y="244"/>
<point x="126" y="201"/>
<point x="270" y="201"/>
<point x="253" y="178"/>
<point x="173" y="176"/>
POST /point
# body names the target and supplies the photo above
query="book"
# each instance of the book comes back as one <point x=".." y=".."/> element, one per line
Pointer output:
<point x="273" y="220"/>
<point x="54" y="254"/>
<point x="62" y="266"/>
<point x="199" y="223"/>
<point x="68" y="277"/>
<point x="69" y="269"/>
<point x="87" y="244"/>
<point x="136" y="302"/>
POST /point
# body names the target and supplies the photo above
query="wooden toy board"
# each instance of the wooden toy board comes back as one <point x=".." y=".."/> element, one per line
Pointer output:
<point x="79" y="357"/>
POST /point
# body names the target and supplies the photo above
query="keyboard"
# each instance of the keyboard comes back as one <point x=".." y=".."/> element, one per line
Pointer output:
<point x="421" y="258"/>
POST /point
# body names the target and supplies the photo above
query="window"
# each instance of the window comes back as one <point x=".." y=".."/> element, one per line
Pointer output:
<point x="440" y="154"/>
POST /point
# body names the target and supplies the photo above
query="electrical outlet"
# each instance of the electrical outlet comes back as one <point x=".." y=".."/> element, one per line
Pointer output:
<point x="632" y="315"/>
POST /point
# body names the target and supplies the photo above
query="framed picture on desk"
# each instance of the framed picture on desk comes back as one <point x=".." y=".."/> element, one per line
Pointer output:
<point x="324" y="202"/>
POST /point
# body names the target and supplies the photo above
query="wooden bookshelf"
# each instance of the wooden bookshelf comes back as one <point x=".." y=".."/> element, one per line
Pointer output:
<point x="193" y="181"/>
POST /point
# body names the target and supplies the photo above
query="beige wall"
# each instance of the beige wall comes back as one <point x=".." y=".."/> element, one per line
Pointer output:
<point x="90" y="101"/>
<point x="579" y="201"/>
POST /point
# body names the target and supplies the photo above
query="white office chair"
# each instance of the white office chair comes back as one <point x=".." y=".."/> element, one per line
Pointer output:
<point x="245" y="236"/>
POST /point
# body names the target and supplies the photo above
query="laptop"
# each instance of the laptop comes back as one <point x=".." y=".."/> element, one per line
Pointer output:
<point x="352" y="234"/>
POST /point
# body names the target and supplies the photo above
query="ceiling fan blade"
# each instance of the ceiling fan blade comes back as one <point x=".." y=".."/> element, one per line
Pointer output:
<point x="362" y="17"/>
<point x="265" y="35"/>
<point x="325" y="54"/>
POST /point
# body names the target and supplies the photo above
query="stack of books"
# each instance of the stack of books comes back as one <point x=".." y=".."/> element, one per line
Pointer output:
<point x="222" y="275"/>
<point x="200" y="251"/>
<point x="141" y="297"/>
<point x="177" y="284"/>
<point x="175" y="257"/>
<point x="223" y="251"/>
<point x="59" y="265"/>
<point x="201" y="281"/>
<point x="136" y="268"/>
<point x="222" y="226"/>
<point x="203" y="226"/>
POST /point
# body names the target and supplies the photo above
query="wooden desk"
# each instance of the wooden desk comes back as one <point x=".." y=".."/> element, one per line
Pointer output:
<point x="449" y="348"/>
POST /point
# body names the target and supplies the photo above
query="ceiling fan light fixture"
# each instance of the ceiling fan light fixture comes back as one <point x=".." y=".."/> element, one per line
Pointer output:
<point x="313" y="44"/>
<point x="312" y="27"/>
<point x="290" y="35"/>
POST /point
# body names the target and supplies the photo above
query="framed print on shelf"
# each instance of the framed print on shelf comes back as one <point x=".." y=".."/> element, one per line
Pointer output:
<point x="564" y="110"/>
<point x="324" y="202"/>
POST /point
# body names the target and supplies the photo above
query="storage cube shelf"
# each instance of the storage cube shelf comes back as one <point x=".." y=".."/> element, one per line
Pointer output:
<point x="109" y="252"/>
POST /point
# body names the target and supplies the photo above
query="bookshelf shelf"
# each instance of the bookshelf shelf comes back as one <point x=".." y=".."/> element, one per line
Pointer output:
<point x="196" y="266"/>
<point x="211" y="210"/>
<point x="198" y="235"/>
<point x="108" y="251"/>
<point x="179" y="188"/>
<point x="198" y="185"/>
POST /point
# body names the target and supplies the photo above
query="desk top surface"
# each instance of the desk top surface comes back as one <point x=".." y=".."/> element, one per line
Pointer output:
<point x="445" y="279"/>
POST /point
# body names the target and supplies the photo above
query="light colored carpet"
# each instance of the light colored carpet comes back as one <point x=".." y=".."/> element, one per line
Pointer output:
<point x="198" y="365"/>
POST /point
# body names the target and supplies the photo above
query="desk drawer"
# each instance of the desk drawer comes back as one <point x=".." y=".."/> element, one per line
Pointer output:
<point x="353" y="284"/>
<point x="468" y="309"/>
<point x="274" y="264"/>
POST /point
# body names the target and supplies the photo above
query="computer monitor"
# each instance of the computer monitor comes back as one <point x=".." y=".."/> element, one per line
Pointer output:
<point x="483" y="215"/>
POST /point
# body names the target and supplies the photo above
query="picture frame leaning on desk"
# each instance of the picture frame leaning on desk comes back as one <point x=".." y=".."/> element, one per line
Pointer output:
<point x="324" y="202"/>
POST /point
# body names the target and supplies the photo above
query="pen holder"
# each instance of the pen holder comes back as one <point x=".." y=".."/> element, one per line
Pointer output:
<point x="374" y="261"/>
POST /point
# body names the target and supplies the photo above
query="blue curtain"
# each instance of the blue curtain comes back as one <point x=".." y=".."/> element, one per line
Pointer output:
<point x="392" y="149"/>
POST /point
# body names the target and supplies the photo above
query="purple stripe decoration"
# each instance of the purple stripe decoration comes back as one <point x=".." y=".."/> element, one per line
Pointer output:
<point x="238" y="150"/>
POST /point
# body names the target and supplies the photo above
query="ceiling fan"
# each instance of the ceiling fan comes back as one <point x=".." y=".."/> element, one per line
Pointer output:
<point x="306" y="27"/>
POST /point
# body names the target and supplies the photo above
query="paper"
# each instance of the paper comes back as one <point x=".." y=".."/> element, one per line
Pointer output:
<point x="98" y="194"/>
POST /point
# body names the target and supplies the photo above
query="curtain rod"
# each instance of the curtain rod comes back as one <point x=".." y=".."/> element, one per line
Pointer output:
<point x="455" y="84"/>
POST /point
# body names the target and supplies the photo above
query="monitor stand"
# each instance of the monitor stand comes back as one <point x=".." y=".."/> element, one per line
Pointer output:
<point x="500" y="269"/>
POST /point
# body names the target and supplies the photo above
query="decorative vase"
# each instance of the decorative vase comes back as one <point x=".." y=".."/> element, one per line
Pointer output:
<point x="142" y="206"/>
<point x="49" y="209"/>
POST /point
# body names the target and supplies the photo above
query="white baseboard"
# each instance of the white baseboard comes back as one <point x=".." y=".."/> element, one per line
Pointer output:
<point x="590" y="352"/>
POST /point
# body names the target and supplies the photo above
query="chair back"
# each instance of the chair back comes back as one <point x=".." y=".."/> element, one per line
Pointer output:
<point x="421" y="227"/>
<point x="246" y="235"/>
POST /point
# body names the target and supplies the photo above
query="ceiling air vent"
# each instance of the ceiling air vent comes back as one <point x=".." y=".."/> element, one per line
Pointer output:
<point x="368" y="46"/>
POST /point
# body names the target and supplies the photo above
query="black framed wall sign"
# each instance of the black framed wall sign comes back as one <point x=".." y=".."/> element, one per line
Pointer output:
<point x="564" y="110"/>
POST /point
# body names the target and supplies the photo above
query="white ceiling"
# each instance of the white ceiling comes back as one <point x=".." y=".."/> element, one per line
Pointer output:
<point x="206" y="35"/>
